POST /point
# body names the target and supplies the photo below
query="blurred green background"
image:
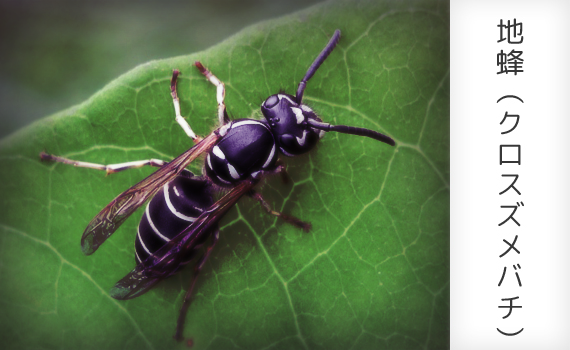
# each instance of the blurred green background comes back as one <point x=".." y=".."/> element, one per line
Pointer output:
<point x="55" y="54"/>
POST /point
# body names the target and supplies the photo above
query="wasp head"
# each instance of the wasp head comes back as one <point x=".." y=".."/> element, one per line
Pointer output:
<point x="288" y="122"/>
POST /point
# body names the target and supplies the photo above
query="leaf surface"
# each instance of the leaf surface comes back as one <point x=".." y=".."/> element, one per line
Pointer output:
<point x="372" y="274"/>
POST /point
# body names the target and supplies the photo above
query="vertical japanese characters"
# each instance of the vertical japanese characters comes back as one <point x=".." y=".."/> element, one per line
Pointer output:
<point x="510" y="38"/>
<point x="511" y="62"/>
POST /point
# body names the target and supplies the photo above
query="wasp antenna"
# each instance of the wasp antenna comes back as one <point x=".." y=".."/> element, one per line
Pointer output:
<point x="316" y="64"/>
<point x="352" y="130"/>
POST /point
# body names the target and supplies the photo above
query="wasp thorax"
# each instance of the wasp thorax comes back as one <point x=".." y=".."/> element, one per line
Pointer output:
<point x="288" y="122"/>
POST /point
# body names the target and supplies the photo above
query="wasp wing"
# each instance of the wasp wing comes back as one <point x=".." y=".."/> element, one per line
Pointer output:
<point x="164" y="261"/>
<point x="115" y="213"/>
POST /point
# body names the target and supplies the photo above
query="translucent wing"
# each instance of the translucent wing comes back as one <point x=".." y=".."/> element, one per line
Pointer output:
<point x="160" y="265"/>
<point x="115" y="213"/>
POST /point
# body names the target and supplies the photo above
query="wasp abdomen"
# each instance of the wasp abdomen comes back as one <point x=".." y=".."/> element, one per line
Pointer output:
<point x="169" y="212"/>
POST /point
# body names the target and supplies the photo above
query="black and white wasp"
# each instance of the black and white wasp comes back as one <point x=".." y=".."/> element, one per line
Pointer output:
<point x="181" y="215"/>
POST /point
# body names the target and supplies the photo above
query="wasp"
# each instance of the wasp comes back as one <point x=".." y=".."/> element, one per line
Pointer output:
<point x="182" y="215"/>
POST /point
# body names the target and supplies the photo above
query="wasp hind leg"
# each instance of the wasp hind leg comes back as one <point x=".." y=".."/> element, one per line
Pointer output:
<point x="108" y="168"/>
<point x="220" y="93"/>
<point x="187" y="298"/>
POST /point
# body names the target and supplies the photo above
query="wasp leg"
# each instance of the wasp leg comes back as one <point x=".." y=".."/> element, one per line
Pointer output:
<point x="186" y="303"/>
<point x="109" y="168"/>
<point x="179" y="118"/>
<point x="305" y="226"/>
<point x="220" y="95"/>
<point x="281" y="170"/>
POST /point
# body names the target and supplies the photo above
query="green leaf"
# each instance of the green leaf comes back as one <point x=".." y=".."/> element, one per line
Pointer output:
<point x="374" y="271"/>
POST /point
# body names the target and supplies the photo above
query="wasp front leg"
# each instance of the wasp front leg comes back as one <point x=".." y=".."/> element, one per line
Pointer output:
<point x="220" y="93"/>
<point x="305" y="226"/>
<point x="278" y="169"/>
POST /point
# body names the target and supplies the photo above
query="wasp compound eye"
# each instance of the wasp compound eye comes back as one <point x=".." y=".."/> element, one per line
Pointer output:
<point x="271" y="101"/>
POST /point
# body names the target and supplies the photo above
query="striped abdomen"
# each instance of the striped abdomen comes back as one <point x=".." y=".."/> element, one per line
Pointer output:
<point x="169" y="212"/>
